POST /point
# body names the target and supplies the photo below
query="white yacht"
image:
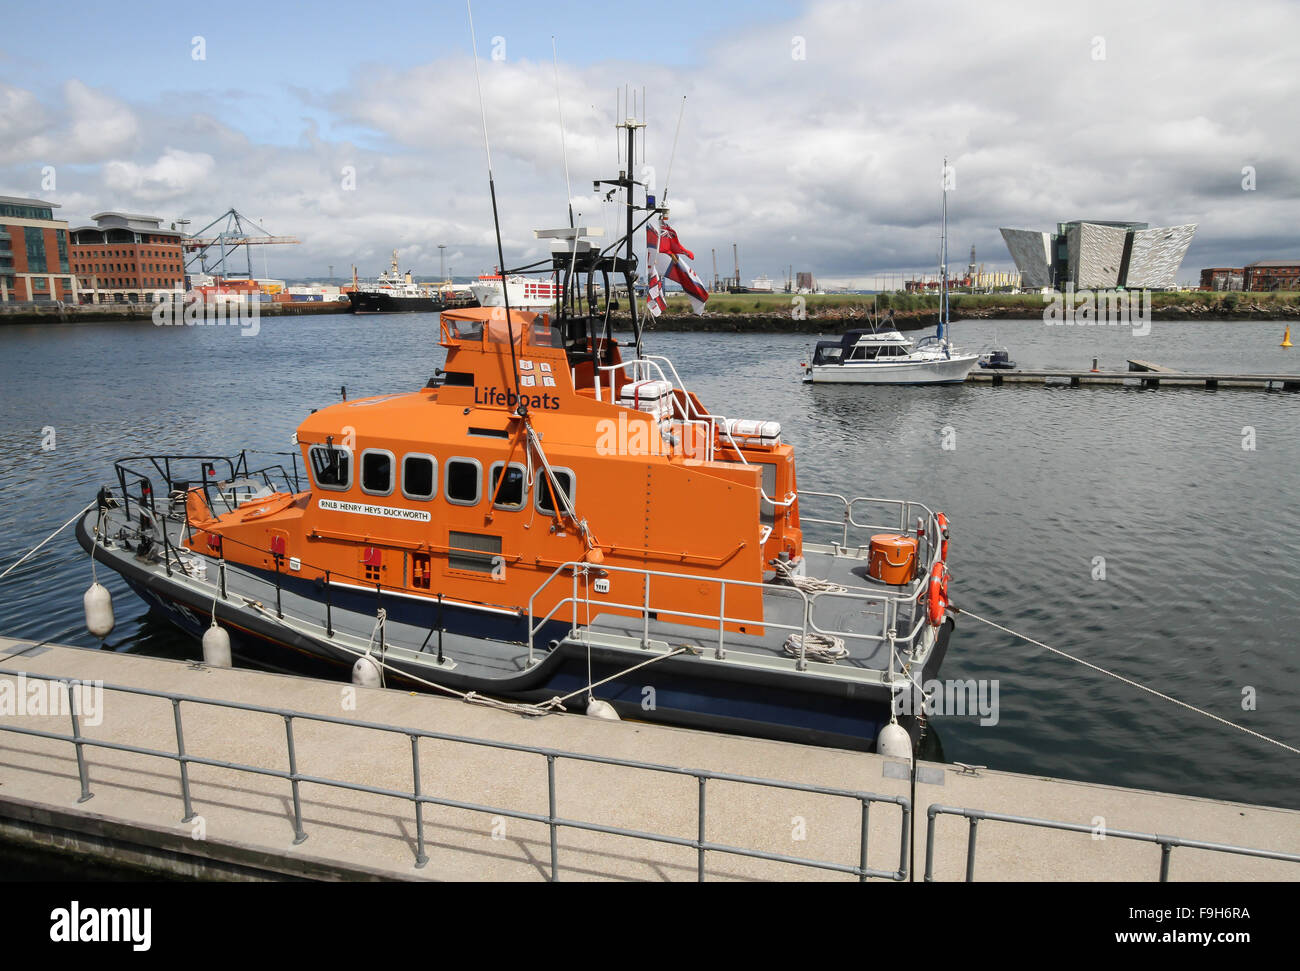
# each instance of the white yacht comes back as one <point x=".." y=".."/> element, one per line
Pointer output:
<point x="887" y="357"/>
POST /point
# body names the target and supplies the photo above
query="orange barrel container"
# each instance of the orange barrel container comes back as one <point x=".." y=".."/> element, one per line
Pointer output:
<point x="893" y="558"/>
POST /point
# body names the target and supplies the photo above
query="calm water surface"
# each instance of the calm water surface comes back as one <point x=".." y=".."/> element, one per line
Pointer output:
<point x="1198" y="534"/>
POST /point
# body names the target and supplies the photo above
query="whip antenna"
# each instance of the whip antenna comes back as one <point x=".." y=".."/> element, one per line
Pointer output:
<point x="681" y="111"/>
<point x="559" y="107"/>
<point x="521" y="408"/>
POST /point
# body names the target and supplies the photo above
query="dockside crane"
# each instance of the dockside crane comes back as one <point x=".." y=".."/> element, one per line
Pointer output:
<point x="214" y="253"/>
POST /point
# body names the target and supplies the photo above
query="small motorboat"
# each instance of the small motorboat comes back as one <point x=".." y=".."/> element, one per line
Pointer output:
<point x="997" y="359"/>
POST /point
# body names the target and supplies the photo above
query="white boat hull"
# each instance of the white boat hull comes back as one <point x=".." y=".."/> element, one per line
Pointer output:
<point x="952" y="370"/>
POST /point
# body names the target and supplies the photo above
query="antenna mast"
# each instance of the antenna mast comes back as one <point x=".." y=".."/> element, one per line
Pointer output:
<point x="521" y="408"/>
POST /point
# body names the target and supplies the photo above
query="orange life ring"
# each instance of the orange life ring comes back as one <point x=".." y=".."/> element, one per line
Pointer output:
<point x="937" y="598"/>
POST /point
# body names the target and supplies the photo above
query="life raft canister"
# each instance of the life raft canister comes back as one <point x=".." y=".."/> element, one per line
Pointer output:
<point x="937" y="597"/>
<point x="942" y="522"/>
<point x="893" y="558"/>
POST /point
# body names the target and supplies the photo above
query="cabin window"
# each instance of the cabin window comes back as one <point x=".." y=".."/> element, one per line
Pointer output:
<point x="464" y="481"/>
<point x="509" y="489"/>
<point x="475" y="552"/>
<point x="419" y="476"/>
<point x="331" y="466"/>
<point x="545" y="498"/>
<point x="377" y="472"/>
<point x="864" y="354"/>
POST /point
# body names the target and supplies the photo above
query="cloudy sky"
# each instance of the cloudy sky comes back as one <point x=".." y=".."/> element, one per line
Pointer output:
<point x="814" y="133"/>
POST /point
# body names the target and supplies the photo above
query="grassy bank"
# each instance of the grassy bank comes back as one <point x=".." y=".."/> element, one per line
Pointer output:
<point x="1166" y="305"/>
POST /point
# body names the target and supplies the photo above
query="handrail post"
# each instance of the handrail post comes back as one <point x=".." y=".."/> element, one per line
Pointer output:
<point x="222" y="569"/>
<point x="699" y="865"/>
<point x="802" y="663"/>
<point x="440" y="631"/>
<point x="1165" y="850"/>
<point x="329" y="607"/>
<point x="77" y="743"/>
<point x="905" y="839"/>
<point x="278" y="611"/>
<point x="185" y="764"/>
<point x="645" y="615"/>
<point x="862" y="846"/>
<point x="167" y="546"/>
<point x="421" y="858"/>
<point x="929" y="845"/>
<point x="555" y="846"/>
<point x="298" y="835"/>
<point x="970" y="849"/>
<point x="721" y="652"/>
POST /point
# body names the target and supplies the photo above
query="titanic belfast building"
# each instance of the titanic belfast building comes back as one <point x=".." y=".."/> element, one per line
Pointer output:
<point x="1100" y="255"/>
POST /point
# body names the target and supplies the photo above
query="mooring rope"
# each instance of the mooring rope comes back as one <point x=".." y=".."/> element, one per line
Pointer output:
<point x="21" y="559"/>
<point x="1128" y="681"/>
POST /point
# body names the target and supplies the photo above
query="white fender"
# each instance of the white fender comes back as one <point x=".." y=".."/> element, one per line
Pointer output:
<point x="603" y="710"/>
<point x="216" y="646"/>
<point x="99" y="611"/>
<point x="365" y="672"/>
<point x="894" y="742"/>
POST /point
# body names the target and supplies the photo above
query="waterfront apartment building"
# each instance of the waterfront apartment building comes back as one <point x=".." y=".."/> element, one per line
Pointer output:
<point x="1261" y="275"/>
<point x="126" y="258"/>
<point x="34" y="259"/>
<point x="1272" y="275"/>
<point x="1100" y="255"/>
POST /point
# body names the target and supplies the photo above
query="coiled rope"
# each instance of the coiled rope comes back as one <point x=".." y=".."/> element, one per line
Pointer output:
<point x="785" y="574"/>
<point x="1128" y="681"/>
<point x="820" y="647"/>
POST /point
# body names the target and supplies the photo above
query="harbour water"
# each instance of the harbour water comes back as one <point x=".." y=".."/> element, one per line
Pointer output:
<point x="1194" y="594"/>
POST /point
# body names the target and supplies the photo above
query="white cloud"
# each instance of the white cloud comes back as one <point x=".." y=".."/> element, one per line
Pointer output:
<point x="175" y="174"/>
<point x="831" y="163"/>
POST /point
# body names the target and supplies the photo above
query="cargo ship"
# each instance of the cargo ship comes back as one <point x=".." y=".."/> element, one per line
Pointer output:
<point x="396" y="293"/>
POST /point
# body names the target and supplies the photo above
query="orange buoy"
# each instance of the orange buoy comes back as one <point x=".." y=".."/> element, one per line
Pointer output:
<point x="942" y="522"/>
<point x="892" y="558"/>
<point x="937" y="596"/>
<point x="1286" y="338"/>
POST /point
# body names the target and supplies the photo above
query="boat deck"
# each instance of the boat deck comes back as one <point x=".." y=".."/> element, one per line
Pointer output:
<point x="855" y="614"/>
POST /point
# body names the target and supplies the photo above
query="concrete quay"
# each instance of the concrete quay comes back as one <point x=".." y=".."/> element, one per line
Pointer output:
<point x="244" y="823"/>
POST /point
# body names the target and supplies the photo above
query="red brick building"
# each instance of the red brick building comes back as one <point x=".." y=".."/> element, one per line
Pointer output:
<point x="126" y="258"/>
<point x="1222" y="278"/>
<point x="34" y="252"/>
<point x="1272" y="275"/>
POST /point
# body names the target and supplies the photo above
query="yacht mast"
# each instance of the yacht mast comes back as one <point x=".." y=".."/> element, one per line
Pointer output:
<point x="943" y="259"/>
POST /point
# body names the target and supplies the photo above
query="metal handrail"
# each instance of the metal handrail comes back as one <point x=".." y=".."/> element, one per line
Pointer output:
<point x="420" y="798"/>
<point x="884" y="597"/>
<point x="1166" y="843"/>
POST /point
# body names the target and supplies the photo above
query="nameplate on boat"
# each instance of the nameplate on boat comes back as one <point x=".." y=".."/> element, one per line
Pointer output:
<point x="365" y="509"/>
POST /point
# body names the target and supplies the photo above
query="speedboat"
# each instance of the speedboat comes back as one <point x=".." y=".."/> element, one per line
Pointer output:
<point x="555" y="520"/>
<point x="997" y="359"/>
